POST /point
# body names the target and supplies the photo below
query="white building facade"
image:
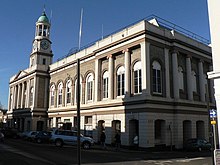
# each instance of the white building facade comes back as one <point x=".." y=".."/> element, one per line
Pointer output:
<point x="144" y="80"/>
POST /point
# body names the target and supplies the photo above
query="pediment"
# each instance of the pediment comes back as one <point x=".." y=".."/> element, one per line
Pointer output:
<point x="20" y="74"/>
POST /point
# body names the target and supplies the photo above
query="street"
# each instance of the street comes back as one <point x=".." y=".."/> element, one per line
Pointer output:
<point x="20" y="152"/>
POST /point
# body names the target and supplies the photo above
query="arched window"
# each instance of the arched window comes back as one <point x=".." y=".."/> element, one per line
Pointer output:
<point x="75" y="84"/>
<point x="52" y="94"/>
<point x="194" y="82"/>
<point x="157" y="81"/>
<point x="89" y="87"/>
<point x="137" y="78"/>
<point x="31" y="96"/>
<point x="121" y="81"/>
<point x="60" y="93"/>
<point x="105" y="84"/>
<point x="68" y="92"/>
<point x="181" y="79"/>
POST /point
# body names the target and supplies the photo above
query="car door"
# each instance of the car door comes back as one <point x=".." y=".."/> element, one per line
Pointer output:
<point x="68" y="137"/>
<point x="74" y="138"/>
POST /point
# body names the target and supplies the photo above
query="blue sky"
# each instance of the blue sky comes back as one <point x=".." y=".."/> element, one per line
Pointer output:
<point x="18" y="19"/>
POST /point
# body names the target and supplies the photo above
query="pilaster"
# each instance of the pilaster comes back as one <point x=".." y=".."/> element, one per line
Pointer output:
<point x="111" y="76"/>
<point x="127" y="72"/>
<point x="189" y="78"/>
<point x="201" y="81"/>
<point x="175" y="75"/>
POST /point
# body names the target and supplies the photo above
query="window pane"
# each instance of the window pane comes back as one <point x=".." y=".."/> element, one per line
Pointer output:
<point x="123" y="84"/>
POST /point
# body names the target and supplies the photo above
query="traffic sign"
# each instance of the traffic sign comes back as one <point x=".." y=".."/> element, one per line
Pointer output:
<point x="213" y="113"/>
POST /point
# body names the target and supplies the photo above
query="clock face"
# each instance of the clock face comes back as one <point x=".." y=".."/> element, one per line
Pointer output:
<point x="44" y="44"/>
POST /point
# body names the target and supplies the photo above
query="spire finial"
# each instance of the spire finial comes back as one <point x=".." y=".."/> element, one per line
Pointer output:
<point x="44" y="8"/>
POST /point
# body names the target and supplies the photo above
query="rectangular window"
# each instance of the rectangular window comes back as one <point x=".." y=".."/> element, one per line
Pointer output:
<point x="40" y="30"/>
<point x="136" y="81"/>
<point x="44" y="61"/>
<point x="59" y="99"/>
<point x="156" y="81"/>
<point x="123" y="85"/>
<point x="52" y="100"/>
<point x="119" y="85"/>
<point x="68" y="97"/>
<point x="88" y="119"/>
<point x="140" y="81"/>
<point x="105" y="88"/>
<point x="89" y="90"/>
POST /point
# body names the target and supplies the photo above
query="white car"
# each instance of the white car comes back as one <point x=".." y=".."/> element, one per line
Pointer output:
<point x="68" y="137"/>
<point x="29" y="135"/>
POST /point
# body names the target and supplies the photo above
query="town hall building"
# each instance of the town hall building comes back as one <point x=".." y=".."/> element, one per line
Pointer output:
<point x="147" y="79"/>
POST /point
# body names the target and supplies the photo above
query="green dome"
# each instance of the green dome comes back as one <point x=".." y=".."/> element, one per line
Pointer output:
<point x="43" y="18"/>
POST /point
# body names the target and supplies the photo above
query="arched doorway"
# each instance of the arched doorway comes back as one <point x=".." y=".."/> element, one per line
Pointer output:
<point x="116" y="127"/>
<point x="101" y="127"/>
<point x="187" y="130"/>
<point x="133" y="130"/>
<point x="200" y="129"/>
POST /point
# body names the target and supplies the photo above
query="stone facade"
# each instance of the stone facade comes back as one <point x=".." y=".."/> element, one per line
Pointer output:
<point x="144" y="80"/>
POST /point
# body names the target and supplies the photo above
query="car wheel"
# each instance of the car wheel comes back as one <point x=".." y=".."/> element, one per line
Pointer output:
<point x="59" y="143"/>
<point x="86" y="145"/>
<point x="39" y="140"/>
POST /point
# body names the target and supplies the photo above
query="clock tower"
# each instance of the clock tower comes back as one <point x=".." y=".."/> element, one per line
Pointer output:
<point x="41" y="50"/>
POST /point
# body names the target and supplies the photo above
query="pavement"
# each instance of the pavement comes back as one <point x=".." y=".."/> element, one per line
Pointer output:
<point x="155" y="154"/>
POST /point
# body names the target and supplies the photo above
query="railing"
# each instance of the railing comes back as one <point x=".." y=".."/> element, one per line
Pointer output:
<point x="162" y="22"/>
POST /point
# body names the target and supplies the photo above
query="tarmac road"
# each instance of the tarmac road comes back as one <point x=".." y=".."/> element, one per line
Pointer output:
<point x="19" y="152"/>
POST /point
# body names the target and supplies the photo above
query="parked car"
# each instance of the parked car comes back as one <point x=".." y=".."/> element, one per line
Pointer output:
<point x="29" y="135"/>
<point x="69" y="137"/>
<point x="10" y="132"/>
<point x="42" y="137"/>
<point x="197" y="144"/>
<point x="2" y="137"/>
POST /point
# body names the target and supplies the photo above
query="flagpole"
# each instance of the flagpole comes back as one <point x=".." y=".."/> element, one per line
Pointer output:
<point x="78" y="97"/>
<point x="80" y="28"/>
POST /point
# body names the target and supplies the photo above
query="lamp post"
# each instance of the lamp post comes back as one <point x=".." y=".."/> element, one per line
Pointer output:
<point x="78" y="113"/>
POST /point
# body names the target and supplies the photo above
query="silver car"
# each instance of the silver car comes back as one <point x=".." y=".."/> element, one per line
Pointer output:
<point x="69" y="137"/>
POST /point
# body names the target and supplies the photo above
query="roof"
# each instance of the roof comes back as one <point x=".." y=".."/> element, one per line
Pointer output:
<point x="43" y="18"/>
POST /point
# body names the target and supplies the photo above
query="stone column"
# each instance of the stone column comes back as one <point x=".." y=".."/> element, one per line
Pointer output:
<point x="28" y="94"/>
<point x="14" y="98"/>
<point x="22" y="96"/>
<point x="47" y="94"/>
<point x="175" y="75"/>
<point x="97" y="80"/>
<point x="167" y="72"/>
<point x="111" y="76"/>
<point x="145" y="64"/>
<point x="201" y="81"/>
<point x="9" y="99"/>
<point x="127" y="72"/>
<point x="18" y="96"/>
<point x="35" y="93"/>
<point x="189" y="78"/>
